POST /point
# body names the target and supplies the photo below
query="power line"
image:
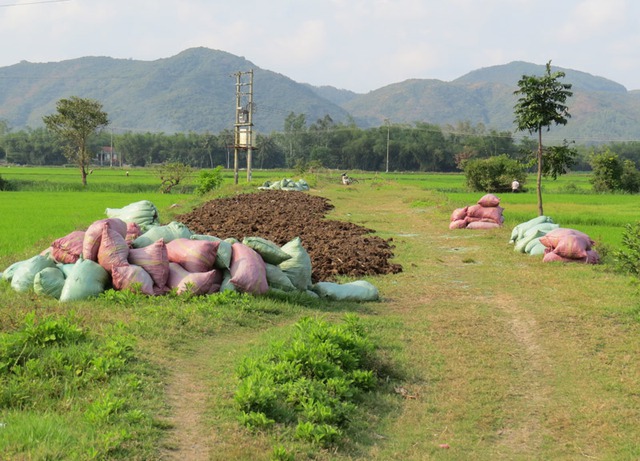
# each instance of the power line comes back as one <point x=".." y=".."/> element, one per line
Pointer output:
<point x="32" y="3"/>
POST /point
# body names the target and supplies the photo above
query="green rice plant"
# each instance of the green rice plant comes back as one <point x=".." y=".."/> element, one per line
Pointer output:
<point x="31" y="221"/>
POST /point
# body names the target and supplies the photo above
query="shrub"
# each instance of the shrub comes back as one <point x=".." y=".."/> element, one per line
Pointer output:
<point x="611" y="173"/>
<point x="209" y="180"/>
<point x="171" y="175"/>
<point x="607" y="171"/>
<point x="629" y="257"/>
<point x="630" y="177"/>
<point x="493" y="174"/>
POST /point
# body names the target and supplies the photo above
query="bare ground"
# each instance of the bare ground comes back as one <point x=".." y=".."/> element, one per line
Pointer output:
<point x="335" y="247"/>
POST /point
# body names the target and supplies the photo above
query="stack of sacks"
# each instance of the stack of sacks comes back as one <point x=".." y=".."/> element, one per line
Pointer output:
<point x="113" y="254"/>
<point x="526" y="236"/>
<point x="286" y="184"/>
<point x="569" y="245"/>
<point x="486" y="214"/>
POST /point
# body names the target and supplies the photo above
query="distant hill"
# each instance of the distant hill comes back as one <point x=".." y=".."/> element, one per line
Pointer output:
<point x="601" y="110"/>
<point x="192" y="91"/>
<point x="195" y="91"/>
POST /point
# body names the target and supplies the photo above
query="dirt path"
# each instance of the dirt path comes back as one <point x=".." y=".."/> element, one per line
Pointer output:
<point x="525" y="434"/>
<point x="187" y="394"/>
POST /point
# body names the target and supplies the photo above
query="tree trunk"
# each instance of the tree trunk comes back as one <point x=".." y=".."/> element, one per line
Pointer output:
<point x="84" y="176"/>
<point x="539" y="178"/>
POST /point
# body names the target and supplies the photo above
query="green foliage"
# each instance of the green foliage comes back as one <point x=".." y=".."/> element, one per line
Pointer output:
<point x="556" y="160"/>
<point x="171" y="175"/>
<point x="67" y="393"/>
<point x="628" y="258"/>
<point x="309" y="380"/>
<point x="493" y="174"/>
<point x="49" y="356"/>
<point x="541" y="103"/>
<point x="280" y="453"/>
<point x="75" y="121"/>
<point x="630" y="177"/>
<point x="209" y="180"/>
<point x="607" y="171"/>
<point x="611" y="173"/>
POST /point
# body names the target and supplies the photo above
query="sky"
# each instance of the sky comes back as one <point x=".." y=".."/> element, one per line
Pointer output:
<point x="357" y="45"/>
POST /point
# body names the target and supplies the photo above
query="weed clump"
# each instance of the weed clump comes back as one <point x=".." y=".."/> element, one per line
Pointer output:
<point x="309" y="384"/>
<point x="628" y="258"/>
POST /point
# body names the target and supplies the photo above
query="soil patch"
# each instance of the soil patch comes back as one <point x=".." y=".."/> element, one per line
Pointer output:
<point x="335" y="247"/>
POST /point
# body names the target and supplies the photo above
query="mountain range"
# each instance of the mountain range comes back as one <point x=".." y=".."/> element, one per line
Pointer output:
<point x="195" y="90"/>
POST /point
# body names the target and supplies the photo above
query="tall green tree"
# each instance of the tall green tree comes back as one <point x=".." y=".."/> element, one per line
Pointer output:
<point x="542" y="102"/>
<point x="76" y="120"/>
<point x="295" y="130"/>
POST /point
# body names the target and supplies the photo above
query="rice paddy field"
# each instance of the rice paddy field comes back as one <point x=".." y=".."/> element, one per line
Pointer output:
<point x="53" y="202"/>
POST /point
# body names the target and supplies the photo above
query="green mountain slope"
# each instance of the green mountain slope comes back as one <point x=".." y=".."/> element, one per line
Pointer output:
<point x="601" y="110"/>
<point x="195" y="91"/>
<point x="192" y="91"/>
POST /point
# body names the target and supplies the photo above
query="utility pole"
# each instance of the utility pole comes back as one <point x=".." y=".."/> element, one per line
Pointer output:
<point x="243" y="126"/>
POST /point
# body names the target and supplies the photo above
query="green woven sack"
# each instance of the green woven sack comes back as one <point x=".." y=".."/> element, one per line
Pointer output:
<point x="270" y="252"/>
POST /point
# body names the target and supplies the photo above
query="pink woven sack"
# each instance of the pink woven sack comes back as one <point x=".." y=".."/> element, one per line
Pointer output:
<point x="489" y="200"/>
<point x="133" y="232"/>
<point x="68" y="249"/>
<point x="153" y="259"/>
<point x="113" y="250"/>
<point x="93" y="236"/>
<point x="193" y="255"/>
<point x="493" y="213"/>
<point x="482" y="225"/>
<point x="458" y="224"/>
<point x="130" y="277"/>
<point x="248" y="271"/>
<point x="459" y="213"/>
<point x="196" y="283"/>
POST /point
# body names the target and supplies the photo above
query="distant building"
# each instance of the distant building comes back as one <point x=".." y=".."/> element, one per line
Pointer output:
<point x="107" y="156"/>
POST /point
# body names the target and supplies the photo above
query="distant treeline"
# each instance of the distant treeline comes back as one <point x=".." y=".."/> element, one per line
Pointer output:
<point x="417" y="147"/>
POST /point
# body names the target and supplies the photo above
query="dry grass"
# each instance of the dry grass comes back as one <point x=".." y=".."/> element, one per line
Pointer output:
<point x="510" y="358"/>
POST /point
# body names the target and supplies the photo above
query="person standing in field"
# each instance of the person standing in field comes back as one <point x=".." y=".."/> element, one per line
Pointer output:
<point x="515" y="186"/>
